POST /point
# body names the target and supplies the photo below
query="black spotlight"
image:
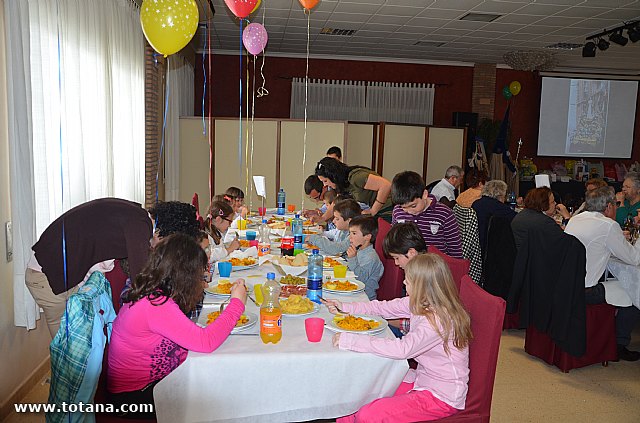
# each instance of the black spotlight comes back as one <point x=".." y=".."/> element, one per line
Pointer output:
<point x="633" y="34"/>
<point x="589" y="49"/>
<point x="618" y="38"/>
<point x="603" y="44"/>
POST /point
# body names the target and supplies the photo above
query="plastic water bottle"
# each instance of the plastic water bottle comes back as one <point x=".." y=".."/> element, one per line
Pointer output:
<point x="298" y="237"/>
<point x="264" y="241"/>
<point x="286" y="244"/>
<point x="314" y="277"/>
<point x="270" y="311"/>
<point x="282" y="200"/>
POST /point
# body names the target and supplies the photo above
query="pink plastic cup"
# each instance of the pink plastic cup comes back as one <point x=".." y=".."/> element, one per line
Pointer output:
<point x="314" y="326"/>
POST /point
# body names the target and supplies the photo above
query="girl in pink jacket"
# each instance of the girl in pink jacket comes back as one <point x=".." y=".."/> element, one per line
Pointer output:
<point x="438" y="340"/>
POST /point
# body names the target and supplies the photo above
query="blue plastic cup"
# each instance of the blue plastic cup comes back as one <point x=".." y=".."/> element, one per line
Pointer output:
<point x="251" y="235"/>
<point x="224" y="268"/>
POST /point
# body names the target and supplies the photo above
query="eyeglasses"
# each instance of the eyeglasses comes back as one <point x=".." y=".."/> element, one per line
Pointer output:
<point x="227" y="219"/>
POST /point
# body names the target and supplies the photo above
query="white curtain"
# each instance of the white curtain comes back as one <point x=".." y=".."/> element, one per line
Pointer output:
<point x="400" y="102"/>
<point x="180" y="103"/>
<point x="328" y="99"/>
<point x="363" y="101"/>
<point x="77" y="121"/>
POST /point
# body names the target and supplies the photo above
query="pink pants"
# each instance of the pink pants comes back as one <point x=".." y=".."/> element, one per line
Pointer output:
<point x="403" y="406"/>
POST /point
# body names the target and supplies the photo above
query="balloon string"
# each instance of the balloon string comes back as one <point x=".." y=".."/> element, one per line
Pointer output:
<point x="306" y="91"/>
<point x="210" y="115"/>
<point x="164" y="126"/>
<point x="253" y="111"/>
<point x="262" y="91"/>
<point x="246" y="143"/>
<point x="240" y="117"/>
<point x="204" y="85"/>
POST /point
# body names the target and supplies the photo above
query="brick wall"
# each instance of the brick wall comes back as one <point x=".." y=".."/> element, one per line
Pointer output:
<point x="483" y="90"/>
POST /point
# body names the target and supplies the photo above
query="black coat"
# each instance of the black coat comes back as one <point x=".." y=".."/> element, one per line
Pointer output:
<point x="499" y="257"/>
<point x="548" y="283"/>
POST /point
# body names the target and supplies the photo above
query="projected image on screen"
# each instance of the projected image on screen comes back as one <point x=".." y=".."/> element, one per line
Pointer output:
<point x="587" y="117"/>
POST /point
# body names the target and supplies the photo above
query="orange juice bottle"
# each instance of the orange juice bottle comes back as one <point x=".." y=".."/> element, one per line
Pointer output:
<point x="270" y="312"/>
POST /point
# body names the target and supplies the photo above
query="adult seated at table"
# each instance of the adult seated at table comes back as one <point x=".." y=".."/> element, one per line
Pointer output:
<point x="602" y="237"/>
<point x="491" y="204"/>
<point x="590" y="185"/>
<point x="335" y="152"/>
<point x="629" y="198"/>
<point x="445" y="190"/>
<point x="475" y="180"/>
<point x="436" y="222"/>
<point x="151" y="334"/>
<point x="539" y="207"/>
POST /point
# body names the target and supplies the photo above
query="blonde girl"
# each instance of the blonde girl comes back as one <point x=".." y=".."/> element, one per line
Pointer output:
<point x="438" y="340"/>
<point x="217" y="222"/>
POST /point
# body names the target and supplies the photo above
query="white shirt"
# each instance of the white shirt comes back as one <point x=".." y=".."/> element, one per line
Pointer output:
<point x="444" y="189"/>
<point x="601" y="237"/>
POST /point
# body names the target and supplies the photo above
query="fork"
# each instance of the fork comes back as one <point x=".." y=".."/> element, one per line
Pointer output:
<point x="223" y="305"/>
<point x="327" y="304"/>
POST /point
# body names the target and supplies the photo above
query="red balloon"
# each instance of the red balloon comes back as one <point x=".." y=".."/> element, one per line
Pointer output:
<point x="241" y="8"/>
<point x="308" y="4"/>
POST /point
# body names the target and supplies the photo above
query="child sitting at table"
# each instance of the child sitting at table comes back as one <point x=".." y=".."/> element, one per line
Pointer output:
<point x="217" y="222"/>
<point x="235" y="197"/>
<point x="151" y="334"/>
<point x="438" y="340"/>
<point x="343" y="212"/>
<point x="362" y="259"/>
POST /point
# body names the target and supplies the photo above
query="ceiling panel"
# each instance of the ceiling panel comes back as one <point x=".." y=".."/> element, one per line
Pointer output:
<point x="388" y="29"/>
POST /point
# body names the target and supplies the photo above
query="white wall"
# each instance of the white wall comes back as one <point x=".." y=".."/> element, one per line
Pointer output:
<point x="21" y="352"/>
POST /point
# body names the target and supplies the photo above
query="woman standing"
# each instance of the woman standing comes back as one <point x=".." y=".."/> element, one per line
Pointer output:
<point x="361" y="183"/>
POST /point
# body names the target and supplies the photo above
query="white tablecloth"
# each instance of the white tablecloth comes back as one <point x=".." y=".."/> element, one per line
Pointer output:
<point x="294" y="380"/>
<point x="629" y="277"/>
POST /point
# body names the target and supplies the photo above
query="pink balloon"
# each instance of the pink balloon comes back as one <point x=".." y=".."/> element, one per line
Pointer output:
<point x="254" y="38"/>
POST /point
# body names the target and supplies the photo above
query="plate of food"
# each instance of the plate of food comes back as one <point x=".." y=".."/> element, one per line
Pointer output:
<point x="357" y="324"/>
<point x="329" y="262"/>
<point x="277" y="225"/>
<point x="244" y="243"/>
<point x="221" y="287"/>
<point x="288" y="290"/>
<point x="242" y="263"/>
<point x="246" y="320"/>
<point x="290" y="279"/>
<point x="343" y="286"/>
<point x="296" y="306"/>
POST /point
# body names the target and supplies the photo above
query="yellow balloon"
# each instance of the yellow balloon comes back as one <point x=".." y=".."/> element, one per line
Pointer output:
<point x="515" y="87"/>
<point x="169" y="25"/>
<point x="257" y="5"/>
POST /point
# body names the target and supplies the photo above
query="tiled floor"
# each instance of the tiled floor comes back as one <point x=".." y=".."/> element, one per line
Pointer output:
<point x="528" y="390"/>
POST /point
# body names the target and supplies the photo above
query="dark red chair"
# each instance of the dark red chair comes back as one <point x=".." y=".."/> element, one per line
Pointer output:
<point x="487" y="315"/>
<point x="458" y="267"/>
<point x="601" y="341"/>
<point x="117" y="278"/>
<point x="390" y="285"/>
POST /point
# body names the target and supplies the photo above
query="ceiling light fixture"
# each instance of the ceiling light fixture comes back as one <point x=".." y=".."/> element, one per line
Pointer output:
<point x="618" y="38"/>
<point x="634" y="34"/>
<point x="603" y="44"/>
<point x="615" y="36"/>
<point x="589" y="49"/>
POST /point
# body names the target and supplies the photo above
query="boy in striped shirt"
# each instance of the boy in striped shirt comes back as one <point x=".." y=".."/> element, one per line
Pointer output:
<point x="436" y="222"/>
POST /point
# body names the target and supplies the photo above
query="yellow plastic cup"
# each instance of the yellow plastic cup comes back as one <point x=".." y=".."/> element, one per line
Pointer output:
<point x="257" y="292"/>
<point x="340" y="271"/>
<point x="242" y="224"/>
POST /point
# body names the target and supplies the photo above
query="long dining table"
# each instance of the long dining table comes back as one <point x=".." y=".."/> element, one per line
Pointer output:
<point x="245" y="380"/>
<point x="628" y="276"/>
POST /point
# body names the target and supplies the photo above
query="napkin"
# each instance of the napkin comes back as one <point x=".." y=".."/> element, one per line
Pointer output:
<point x="249" y="252"/>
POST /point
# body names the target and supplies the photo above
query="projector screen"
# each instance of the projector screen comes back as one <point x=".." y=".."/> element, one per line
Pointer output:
<point x="587" y="117"/>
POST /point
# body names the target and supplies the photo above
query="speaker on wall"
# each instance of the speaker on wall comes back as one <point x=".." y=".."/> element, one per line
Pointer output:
<point x="470" y="120"/>
<point x="461" y="119"/>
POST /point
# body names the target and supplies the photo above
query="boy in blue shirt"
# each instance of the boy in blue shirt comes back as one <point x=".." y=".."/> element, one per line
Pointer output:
<point x="362" y="258"/>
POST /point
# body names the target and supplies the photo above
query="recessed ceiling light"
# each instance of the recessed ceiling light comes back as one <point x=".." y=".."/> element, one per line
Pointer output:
<point x="480" y="17"/>
<point x="336" y="31"/>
